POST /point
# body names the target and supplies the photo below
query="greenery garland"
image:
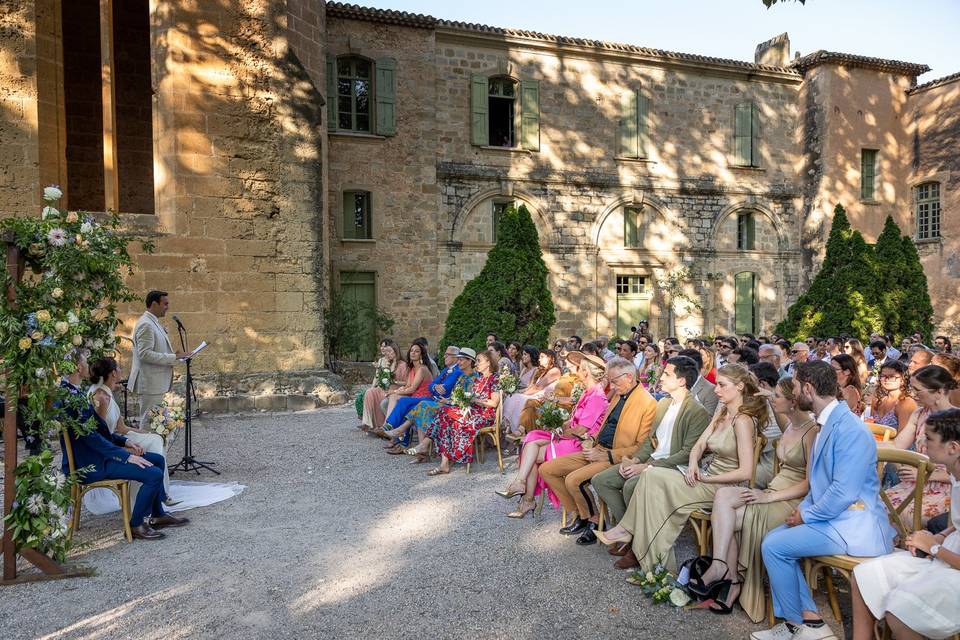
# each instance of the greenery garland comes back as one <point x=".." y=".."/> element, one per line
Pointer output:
<point x="66" y="299"/>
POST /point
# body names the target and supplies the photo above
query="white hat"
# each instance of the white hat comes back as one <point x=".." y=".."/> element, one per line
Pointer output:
<point x="467" y="352"/>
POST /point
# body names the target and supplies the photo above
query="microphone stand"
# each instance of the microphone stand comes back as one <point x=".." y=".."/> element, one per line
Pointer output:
<point x="189" y="463"/>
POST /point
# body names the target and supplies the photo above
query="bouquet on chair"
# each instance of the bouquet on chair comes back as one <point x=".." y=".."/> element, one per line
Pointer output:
<point x="507" y="382"/>
<point x="167" y="416"/>
<point x="551" y="416"/>
<point x="383" y="378"/>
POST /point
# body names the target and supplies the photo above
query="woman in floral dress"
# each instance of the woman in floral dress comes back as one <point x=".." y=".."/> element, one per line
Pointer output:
<point x="932" y="386"/>
<point x="454" y="428"/>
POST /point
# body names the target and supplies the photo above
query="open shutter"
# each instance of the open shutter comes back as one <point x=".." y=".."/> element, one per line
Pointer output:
<point x="742" y="140"/>
<point x="530" y="119"/>
<point x="751" y="232"/>
<point x="385" y="87"/>
<point x="754" y="135"/>
<point x="479" y="125"/>
<point x="643" y="128"/>
<point x="332" y="93"/>
<point x="627" y="133"/>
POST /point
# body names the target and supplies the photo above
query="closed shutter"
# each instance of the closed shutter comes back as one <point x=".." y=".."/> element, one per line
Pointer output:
<point x="868" y="171"/>
<point x="745" y="285"/>
<point x="627" y="131"/>
<point x="643" y="124"/>
<point x="530" y="118"/>
<point x="360" y="287"/>
<point x="742" y="138"/>
<point x="385" y="88"/>
<point x="479" y="126"/>
<point x="332" y="93"/>
<point x="631" y="227"/>
<point x="754" y="135"/>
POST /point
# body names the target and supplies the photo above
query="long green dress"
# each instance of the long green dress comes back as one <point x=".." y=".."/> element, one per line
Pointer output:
<point x="760" y="519"/>
<point x="662" y="502"/>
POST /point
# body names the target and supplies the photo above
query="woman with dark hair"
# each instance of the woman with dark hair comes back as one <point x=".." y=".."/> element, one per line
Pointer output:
<point x="892" y="405"/>
<point x="434" y="369"/>
<point x="848" y="381"/>
<point x="391" y="360"/>
<point x="529" y="357"/>
<point x="950" y="362"/>
<point x="931" y="385"/>
<point x="541" y="384"/>
<point x="854" y="348"/>
<point x="514" y="349"/>
<point x="501" y="359"/>
<point x="417" y="386"/>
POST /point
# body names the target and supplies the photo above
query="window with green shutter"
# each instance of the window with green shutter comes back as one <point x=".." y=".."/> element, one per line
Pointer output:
<point x="502" y="105"/>
<point x="746" y="231"/>
<point x="354" y="89"/>
<point x="633" y="128"/>
<point x="499" y="206"/>
<point x="504" y="112"/>
<point x="357" y="224"/>
<point x="632" y="227"/>
<point x="868" y="174"/>
<point x="362" y="95"/>
<point x="745" y="305"/>
<point x="746" y="135"/>
<point x="360" y="288"/>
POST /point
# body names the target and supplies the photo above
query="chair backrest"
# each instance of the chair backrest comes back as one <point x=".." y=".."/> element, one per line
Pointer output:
<point x="758" y="446"/>
<point x="924" y="468"/>
<point x="68" y="450"/>
<point x="881" y="432"/>
<point x="498" y="415"/>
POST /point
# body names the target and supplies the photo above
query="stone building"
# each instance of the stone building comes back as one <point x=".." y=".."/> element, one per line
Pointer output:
<point x="280" y="150"/>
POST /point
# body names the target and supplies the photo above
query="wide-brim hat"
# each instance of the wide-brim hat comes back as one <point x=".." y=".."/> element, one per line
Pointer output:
<point x="467" y="352"/>
<point x="578" y="356"/>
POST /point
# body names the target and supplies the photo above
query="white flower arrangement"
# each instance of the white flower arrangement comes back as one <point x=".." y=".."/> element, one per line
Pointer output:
<point x="167" y="416"/>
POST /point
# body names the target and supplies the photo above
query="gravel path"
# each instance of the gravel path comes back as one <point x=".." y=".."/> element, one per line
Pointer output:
<point x="334" y="539"/>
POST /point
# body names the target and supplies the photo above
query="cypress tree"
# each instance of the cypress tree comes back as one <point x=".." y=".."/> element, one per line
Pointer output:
<point x="916" y="311"/>
<point x="844" y="296"/>
<point x="890" y="267"/>
<point x="510" y="296"/>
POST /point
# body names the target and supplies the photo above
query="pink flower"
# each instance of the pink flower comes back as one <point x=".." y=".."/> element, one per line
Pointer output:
<point x="57" y="237"/>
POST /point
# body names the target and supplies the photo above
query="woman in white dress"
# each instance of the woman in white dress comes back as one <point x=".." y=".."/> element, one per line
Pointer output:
<point x="105" y="376"/>
<point x="918" y="596"/>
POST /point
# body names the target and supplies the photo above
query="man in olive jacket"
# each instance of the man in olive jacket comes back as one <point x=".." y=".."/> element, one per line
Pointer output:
<point x="677" y="424"/>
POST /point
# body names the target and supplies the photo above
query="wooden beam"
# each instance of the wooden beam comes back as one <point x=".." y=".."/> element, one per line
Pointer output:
<point x="10" y="434"/>
<point x="111" y="182"/>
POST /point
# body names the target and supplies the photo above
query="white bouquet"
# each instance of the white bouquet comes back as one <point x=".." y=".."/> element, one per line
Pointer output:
<point x="167" y="416"/>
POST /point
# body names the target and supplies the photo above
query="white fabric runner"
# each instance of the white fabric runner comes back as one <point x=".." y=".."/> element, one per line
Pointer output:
<point x="189" y="494"/>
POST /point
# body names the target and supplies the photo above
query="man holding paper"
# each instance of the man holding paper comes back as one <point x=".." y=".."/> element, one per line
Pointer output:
<point x="151" y="374"/>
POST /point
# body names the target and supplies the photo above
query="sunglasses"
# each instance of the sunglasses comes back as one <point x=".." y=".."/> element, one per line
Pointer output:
<point x="895" y="376"/>
<point x="796" y="351"/>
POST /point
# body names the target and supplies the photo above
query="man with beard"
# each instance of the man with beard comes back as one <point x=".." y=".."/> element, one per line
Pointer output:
<point x="842" y="513"/>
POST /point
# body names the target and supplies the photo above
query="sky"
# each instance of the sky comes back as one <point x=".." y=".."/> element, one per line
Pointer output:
<point x="921" y="31"/>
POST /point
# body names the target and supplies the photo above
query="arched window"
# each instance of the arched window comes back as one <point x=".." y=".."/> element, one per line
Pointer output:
<point x="501" y="105"/>
<point x="354" y="91"/>
<point x="745" y="304"/>
<point x="926" y="199"/>
<point x="746" y="231"/>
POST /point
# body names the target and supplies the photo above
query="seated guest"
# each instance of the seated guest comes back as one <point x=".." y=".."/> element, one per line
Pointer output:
<point x="602" y="343"/>
<point x="919" y="358"/>
<point x="703" y="390"/>
<point x="561" y="393"/>
<point x="417" y="386"/>
<point x="931" y="386"/>
<point x="709" y="370"/>
<point x="942" y="344"/>
<point x="664" y="497"/>
<point x="752" y="513"/>
<point x="540" y="446"/>
<point x="514" y="349"/>
<point x="541" y="384"/>
<point x="423" y="415"/>
<point x="501" y="359"/>
<point x="529" y="358"/>
<point x="918" y="596"/>
<point x="649" y="367"/>
<point x="841" y="514"/>
<point x="892" y="405"/>
<point x="677" y="425"/>
<point x="854" y="348"/>
<point x="434" y="369"/>
<point x="626" y="425"/>
<point x="628" y="350"/>
<point x="767" y="378"/>
<point x="744" y="355"/>
<point x="848" y="380"/>
<point x="440" y="387"/>
<point x="112" y="458"/>
<point x="453" y="429"/>
<point x="951" y="363"/>
<point x="105" y="376"/>
<point x="373" y="415"/>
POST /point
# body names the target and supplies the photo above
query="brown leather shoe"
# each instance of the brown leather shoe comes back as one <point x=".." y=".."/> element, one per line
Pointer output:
<point x="618" y="549"/>
<point x="168" y="521"/>
<point x="146" y="532"/>
<point x="628" y="561"/>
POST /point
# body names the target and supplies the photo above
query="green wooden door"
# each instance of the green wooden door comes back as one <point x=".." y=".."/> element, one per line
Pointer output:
<point x="745" y="306"/>
<point x="361" y="287"/>
<point x="633" y="303"/>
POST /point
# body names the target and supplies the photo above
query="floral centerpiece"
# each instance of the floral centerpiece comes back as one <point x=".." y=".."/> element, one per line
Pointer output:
<point x="551" y="416"/>
<point x="660" y="586"/>
<point x="383" y="378"/>
<point x="507" y="382"/>
<point x="168" y="416"/>
<point x="67" y="298"/>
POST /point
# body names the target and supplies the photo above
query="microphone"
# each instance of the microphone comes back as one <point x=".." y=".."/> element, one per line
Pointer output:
<point x="179" y="324"/>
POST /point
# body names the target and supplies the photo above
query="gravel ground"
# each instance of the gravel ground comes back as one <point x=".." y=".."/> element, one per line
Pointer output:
<point x="334" y="539"/>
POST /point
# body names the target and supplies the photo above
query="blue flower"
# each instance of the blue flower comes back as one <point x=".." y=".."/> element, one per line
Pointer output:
<point x="47" y="342"/>
<point x="14" y="505"/>
<point x="31" y="321"/>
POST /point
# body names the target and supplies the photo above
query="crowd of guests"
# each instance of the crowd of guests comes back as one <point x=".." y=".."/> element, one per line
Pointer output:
<point x="775" y="442"/>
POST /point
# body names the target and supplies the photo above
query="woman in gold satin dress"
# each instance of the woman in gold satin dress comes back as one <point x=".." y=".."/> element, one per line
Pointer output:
<point x="664" y="498"/>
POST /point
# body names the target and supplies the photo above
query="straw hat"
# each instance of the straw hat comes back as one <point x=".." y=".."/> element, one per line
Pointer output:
<point x="467" y="352"/>
<point x="577" y="356"/>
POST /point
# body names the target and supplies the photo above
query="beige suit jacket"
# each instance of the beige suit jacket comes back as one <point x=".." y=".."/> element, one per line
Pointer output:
<point x="153" y="357"/>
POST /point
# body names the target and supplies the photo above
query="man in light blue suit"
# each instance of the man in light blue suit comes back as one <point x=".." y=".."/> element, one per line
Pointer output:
<point x="842" y="513"/>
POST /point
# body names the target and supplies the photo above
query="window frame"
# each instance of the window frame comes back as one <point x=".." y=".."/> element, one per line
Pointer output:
<point x="494" y="204"/>
<point x="353" y="193"/>
<point x="934" y="213"/>
<point x="872" y="197"/>
<point x="371" y="94"/>
<point x="515" y="99"/>
<point x="746" y="231"/>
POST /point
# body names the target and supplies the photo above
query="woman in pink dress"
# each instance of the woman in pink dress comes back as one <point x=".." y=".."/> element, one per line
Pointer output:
<point x="540" y="446"/>
<point x="373" y="415"/>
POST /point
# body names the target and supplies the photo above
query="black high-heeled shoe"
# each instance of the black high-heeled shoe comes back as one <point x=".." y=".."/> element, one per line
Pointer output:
<point x="709" y="590"/>
<point x="719" y="606"/>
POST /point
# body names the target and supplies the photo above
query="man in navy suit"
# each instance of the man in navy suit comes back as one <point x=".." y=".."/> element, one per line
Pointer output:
<point x="113" y="458"/>
<point x="441" y="387"/>
<point x="841" y="514"/>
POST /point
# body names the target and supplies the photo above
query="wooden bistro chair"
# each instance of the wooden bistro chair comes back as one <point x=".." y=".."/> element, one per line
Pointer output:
<point x="843" y="564"/>
<point x="700" y="520"/>
<point x="881" y="432"/>
<point x="120" y="487"/>
<point x="479" y="442"/>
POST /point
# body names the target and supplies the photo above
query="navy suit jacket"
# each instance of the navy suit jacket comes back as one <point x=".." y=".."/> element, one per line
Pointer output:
<point x="96" y="447"/>
<point x="448" y="379"/>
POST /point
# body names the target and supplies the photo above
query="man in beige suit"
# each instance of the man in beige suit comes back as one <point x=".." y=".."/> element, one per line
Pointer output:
<point x="151" y="374"/>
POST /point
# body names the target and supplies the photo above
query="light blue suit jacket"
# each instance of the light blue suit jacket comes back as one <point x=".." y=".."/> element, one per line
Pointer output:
<point x="844" y="487"/>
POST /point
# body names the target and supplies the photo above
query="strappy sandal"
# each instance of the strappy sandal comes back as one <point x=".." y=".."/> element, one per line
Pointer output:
<point x="523" y="509"/>
<point x="718" y="606"/>
<point x="412" y="451"/>
<point x="706" y="591"/>
<point x="438" y="472"/>
<point x="420" y="458"/>
<point x="396" y="450"/>
<point x="510" y="494"/>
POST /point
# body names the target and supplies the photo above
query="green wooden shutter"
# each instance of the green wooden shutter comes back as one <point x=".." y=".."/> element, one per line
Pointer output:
<point x="754" y="135"/>
<point x="479" y="125"/>
<point x="530" y="115"/>
<point x="629" y="141"/>
<point x="349" y="215"/>
<point x="743" y="116"/>
<point x="385" y="88"/>
<point x="631" y="227"/>
<point x="745" y="304"/>
<point x="643" y="127"/>
<point x="868" y="171"/>
<point x="332" y="93"/>
<point x="751" y="232"/>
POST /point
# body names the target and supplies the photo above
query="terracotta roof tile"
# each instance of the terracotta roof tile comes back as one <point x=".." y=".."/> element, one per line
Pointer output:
<point x="864" y="62"/>
<point x="939" y="82"/>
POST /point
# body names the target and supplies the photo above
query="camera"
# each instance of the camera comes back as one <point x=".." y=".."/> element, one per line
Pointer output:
<point x="642" y="326"/>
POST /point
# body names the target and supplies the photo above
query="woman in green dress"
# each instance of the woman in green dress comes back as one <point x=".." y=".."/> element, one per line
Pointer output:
<point x="665" y="497"/>
<point x="754" y="512"/>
